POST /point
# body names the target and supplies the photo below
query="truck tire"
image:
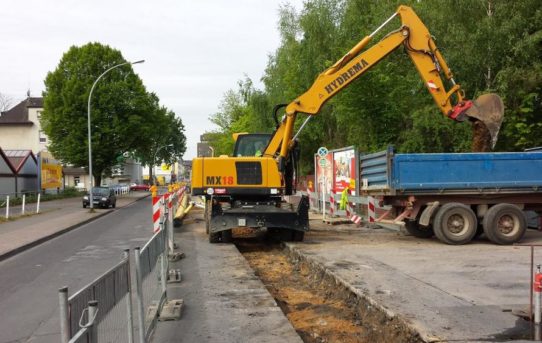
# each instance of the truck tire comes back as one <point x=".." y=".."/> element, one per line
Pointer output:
<point x="417" y="231"/>
<point x="504" y="224"/>
<point x="227" y="236"/>
<point x="455" y="223"/>
<point x="214" y="237"/>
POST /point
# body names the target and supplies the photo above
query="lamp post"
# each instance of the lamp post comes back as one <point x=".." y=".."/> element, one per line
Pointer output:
<point x="154" y="158"/>
<point x="91" y="202"/>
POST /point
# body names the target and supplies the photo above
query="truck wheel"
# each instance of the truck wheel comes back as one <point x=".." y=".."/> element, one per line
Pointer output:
<point x="455" y="223"/>
<point x="418" y="231"/>
<point x="504" y="224"/>
<point x="214" y="237"/>
<point x="227" y="236"/>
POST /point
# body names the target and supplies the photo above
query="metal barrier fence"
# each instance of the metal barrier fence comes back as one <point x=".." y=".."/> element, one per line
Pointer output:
<point x="151" y="274"/>
<point x="112" y="319"/>
<point x="102" y="311"/>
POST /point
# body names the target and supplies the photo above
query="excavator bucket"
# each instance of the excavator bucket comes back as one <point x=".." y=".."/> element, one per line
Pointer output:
<point x="487" y="114"/>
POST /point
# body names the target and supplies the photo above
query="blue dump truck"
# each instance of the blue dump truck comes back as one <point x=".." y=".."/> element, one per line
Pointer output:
<point x="456" y="196"/>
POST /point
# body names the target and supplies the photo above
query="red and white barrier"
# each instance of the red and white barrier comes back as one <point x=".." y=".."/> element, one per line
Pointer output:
<point x="371" y="210"/>
<point x="351" y="214"/>
<point x="156" y="213"/>
<point x="331" y="203"/>
<point x="537" y="288"/>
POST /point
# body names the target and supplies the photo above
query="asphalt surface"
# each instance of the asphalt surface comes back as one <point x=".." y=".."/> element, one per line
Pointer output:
<point x="30" y="280"/>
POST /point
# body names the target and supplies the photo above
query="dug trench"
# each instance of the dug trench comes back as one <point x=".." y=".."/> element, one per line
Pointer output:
<point x="320" y="308"/>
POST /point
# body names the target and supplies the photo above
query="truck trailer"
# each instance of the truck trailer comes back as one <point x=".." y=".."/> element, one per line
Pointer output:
<point x="456" y="196"/>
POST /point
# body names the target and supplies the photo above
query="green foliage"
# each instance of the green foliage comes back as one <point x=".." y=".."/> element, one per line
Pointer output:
<point x="490" y="45"/>
<point x="123" y="114"/>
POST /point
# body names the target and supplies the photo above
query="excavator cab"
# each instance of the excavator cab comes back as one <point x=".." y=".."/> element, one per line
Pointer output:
<point x="250" y="145"/>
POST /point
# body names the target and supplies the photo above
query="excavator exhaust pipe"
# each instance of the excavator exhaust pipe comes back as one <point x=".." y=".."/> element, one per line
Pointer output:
<point x="486" y="115"/>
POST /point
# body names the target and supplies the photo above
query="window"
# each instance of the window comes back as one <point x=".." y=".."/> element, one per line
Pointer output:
<point x="39" y="114"/>
<point x="43" y="137"/>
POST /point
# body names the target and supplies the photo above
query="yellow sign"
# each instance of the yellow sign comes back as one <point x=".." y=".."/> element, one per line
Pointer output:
<point x="51" y="171"/>
<point x="166" y="168"/>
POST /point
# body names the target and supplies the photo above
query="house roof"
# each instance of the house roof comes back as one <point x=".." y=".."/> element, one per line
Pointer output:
<point x="18" y="115"/>
<point x="8" y="162"/>
<point x="74" y="171"/>
<point x="18" y="158"/>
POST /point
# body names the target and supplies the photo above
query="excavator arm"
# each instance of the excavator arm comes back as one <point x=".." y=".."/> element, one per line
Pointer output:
<point x="486" y="112"/>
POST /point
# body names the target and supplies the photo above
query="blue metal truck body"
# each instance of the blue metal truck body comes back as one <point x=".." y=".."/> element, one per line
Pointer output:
<point x="387" y="173"/>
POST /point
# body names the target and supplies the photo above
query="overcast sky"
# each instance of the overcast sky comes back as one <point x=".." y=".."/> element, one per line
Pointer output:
<point x="195" y="50"/>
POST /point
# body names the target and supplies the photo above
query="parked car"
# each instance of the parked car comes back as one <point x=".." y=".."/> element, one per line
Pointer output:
<point x="140" y="187"/>
<point x="101" y="196"/>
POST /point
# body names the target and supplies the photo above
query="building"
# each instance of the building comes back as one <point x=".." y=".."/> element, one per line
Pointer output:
<point x="20" y="127"/>
<point x="18" y="172"/>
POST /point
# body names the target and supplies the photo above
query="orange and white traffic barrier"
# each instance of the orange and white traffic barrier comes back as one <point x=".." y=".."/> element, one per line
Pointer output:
<point x="156" y="213"/>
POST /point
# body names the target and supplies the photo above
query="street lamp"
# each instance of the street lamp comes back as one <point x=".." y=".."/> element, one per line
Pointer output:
<point x="89" y="132"/>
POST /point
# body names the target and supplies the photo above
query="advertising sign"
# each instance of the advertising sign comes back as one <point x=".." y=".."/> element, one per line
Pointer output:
<point x="344" y="170"/>
<point x="51" y="171"/>
<point x="324" y="170"/>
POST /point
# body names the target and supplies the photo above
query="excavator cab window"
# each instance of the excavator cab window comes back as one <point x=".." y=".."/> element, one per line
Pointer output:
<point x="251" y="144"/>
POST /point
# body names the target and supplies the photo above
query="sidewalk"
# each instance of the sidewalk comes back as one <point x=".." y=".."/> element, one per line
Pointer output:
<point x="56" y="217"/>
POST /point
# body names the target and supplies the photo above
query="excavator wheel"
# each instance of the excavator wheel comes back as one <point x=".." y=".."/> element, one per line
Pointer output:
<point x="486" y="114"/>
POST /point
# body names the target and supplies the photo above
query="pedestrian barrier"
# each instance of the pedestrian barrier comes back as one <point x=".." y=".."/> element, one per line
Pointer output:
<point x="103" y="312"/>
<point x="360" y="209"/>
<point x="105" y="306"/>
<point x="151" y="275"/>
<point x="18" y="203"/>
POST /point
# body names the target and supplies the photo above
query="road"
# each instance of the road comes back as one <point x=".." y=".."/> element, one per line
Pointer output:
<point x="30" y="280"/>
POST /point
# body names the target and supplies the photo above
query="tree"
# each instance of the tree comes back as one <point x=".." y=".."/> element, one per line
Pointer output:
<point x="119" y="106"/>
<point x="164" y="140"/>
<point x="5" y="102"/>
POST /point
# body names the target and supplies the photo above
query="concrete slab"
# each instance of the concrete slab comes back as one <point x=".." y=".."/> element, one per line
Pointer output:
<point x="446" y="293"/>
<point x="223" y="300"/>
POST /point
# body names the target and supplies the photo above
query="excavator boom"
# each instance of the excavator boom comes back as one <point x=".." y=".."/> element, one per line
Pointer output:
<point x="486" y="113"/>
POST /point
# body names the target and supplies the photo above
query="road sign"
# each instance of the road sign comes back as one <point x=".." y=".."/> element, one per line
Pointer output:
<point x="322" y="151"/>
<point x="323" y="162"/>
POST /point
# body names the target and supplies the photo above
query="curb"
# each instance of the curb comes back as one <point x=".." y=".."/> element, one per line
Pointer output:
<point x="44" y="239"/>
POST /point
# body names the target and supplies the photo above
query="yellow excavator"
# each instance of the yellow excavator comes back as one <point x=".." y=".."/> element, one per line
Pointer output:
<point x="252" y="187"/>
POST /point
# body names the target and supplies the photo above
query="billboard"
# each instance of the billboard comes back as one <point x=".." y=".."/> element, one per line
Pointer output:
<point x="51" y="171"/>
<point x="344" y="170"/>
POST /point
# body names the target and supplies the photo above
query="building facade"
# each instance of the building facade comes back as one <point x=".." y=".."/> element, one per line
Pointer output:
<point x="20" y="127"/>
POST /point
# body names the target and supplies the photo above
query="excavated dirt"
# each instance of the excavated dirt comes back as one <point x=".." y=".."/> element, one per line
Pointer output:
<point x="320" y="309"/>
<point x="481" y="138"/>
